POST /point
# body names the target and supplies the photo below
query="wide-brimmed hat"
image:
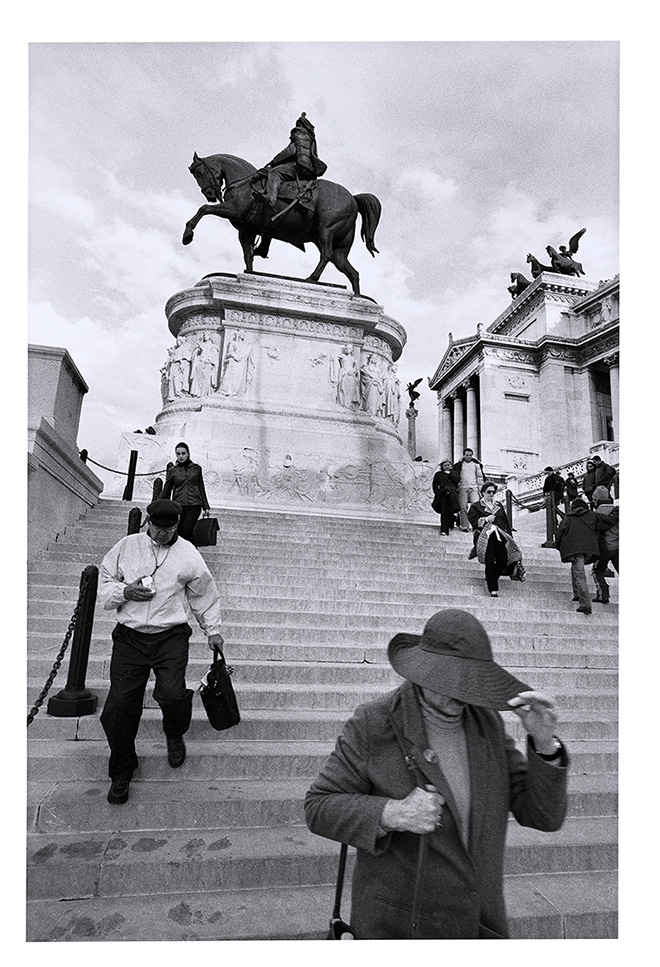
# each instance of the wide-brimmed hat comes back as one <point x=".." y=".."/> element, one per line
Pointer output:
<point x="453" y="657"/>
<point x="164" y="513"/>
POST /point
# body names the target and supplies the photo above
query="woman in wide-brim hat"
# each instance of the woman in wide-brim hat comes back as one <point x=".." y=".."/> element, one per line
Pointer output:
<point x="426" y="774"/>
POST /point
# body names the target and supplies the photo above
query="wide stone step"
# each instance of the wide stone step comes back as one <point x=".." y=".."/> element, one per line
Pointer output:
<point x="59" y="600"/>
<point x="501" y="614"/>
<point x="596" y="650"/>
<point x="306" y="671"/>
<point x="542" y="906"/>
<point x="218" y="755"/>
<point x="275" y="725"/>
<point x="79" y="805"/>
<point x="121" y="861"/>
<point x="348" y="695"/>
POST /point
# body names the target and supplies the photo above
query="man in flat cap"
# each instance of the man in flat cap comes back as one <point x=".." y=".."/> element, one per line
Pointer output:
<point x="153" y="580"/>
<point x="421" y="782"/>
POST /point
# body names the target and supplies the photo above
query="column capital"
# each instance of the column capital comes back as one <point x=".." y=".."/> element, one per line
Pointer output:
<point x="611" y="360"/>
<point x="468" y="383"/>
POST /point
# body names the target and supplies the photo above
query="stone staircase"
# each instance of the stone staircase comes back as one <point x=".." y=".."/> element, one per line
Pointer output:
<point x="218" y="849"/>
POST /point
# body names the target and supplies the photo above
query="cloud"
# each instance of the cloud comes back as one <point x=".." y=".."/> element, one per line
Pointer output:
<point x="425" y="186"/>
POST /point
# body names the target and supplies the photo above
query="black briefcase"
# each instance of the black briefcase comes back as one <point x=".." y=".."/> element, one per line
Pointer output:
<point x="217" y="693"/>
<point x="205" y="532"/>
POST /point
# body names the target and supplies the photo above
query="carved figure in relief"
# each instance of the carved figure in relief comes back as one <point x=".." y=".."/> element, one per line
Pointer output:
<point x="301" y="483"/>
<point x="371" y="386"/>
<point x="348" y="382"/>
<point x="246" y="474"/>
<point x="179" y="367"/>
<point x="204" y="367"/>
<point x="239" y="366"/>
<point x="392" y="394"/>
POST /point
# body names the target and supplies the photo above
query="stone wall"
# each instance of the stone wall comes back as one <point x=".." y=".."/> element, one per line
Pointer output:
<point x="61" y="488"/>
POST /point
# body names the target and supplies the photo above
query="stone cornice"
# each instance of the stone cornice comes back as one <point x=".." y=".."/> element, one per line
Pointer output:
<point x="218" y="296"/>
<point x="579" y="350"/>
<point x="565" y="288"/>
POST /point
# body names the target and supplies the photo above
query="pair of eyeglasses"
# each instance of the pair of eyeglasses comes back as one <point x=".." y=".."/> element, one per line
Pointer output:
<point x="491" y="491"/>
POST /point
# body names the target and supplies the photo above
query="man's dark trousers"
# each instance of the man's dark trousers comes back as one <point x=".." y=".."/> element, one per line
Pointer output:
<point x="134" y="654"/>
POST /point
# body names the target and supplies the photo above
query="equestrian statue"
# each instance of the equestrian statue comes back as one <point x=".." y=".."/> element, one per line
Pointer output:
<point x="288" y="200"/>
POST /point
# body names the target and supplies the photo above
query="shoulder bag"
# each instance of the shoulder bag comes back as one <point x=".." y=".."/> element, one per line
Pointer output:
<point x="205" y="532"/>
<point x="217" y="693"/>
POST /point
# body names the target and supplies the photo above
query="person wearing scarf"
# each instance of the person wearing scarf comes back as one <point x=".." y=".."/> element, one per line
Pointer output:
<point x="184" y="484"/>
<point x="489" y="513"/>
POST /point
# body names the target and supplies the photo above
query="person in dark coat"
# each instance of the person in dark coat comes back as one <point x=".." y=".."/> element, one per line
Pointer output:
<point x="598" y="474"/>
<point x="577" y="542"/>
<point x="430" y="766"/>
<point x="607" y="525"/>
<point x="604" y="473"/>
<point x="488" y="512"/>
<point x="589" y="480"/>
<point x="572" y="488"/>
<point x="184" y="483"/>
<point x="445" y="499"/>
<point x="554" y="484"/>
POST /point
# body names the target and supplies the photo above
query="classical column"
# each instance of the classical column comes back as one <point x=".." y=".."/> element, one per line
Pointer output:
<point x="445" y="430"/>
<point x="472" y="439"/>
<point x="613" y="363"/>
<point x="411" y="416"/>
<point x="458" y="426"/>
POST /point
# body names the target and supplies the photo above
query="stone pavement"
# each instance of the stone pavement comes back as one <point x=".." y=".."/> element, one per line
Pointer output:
<point x="218" y="849"/>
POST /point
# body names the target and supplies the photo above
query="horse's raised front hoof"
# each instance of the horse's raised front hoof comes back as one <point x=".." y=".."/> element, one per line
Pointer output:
<point x="187" y="236"/>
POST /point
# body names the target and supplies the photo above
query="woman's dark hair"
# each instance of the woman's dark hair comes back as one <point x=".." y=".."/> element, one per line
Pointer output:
<point x="486" y="484"/>
<point x="184" y="445"/>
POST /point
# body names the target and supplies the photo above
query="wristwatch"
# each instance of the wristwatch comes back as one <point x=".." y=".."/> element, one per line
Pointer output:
<point x="556" y="752"/>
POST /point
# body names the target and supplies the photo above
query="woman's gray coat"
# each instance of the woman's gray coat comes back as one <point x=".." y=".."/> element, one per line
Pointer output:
<point x="463" y="888"/>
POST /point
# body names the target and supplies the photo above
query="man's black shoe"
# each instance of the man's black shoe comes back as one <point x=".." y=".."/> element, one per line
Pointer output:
<point x="176" y="752"/>
<point x="118" y="793"/>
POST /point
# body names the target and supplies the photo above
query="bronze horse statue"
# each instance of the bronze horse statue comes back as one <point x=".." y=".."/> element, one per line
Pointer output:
<point x="537" y="267"/>
<point x="328" y="220"/>
<point x="520" y="283"/>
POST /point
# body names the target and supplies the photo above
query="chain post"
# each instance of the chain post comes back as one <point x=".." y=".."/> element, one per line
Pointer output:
<point x="132" y="464"/>
<point x="550" y="521"/>
<point x="134" y="520"/>
<point x="157" y="488"/>
<point x="75" y="699"/>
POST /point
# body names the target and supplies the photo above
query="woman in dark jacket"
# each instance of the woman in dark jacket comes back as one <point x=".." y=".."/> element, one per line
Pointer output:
<point x="184" y="484"/>
<point x="577" y="543"/>
<point x="488" y="512"/>
<point x="445" y="499"/>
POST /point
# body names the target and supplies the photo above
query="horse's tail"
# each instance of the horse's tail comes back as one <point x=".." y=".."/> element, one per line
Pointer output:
<point x="369" y="208"/>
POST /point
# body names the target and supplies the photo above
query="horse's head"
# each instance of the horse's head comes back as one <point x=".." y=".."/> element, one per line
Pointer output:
<point x="209" y="181"/>
<point x="530" y="257"/>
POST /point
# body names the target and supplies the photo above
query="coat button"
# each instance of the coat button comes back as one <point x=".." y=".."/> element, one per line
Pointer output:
<point x="430" y="755"/>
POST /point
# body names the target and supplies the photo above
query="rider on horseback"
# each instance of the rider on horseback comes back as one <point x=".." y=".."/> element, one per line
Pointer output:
<point x="299" y="160"/>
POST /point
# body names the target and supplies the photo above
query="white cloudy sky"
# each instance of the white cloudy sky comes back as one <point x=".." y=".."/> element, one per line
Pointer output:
<point x="478" y="151"/>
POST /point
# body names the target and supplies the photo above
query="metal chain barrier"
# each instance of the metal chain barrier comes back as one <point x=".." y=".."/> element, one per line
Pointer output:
<point x="123" y="473"/>
<point x="34" y="711"/>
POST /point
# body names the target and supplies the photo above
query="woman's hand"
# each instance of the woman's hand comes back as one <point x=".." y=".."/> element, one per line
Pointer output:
<point x="419" y="812"/>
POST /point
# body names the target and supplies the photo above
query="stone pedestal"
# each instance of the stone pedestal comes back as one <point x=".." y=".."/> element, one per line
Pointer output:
<point x="287" y="394"/>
